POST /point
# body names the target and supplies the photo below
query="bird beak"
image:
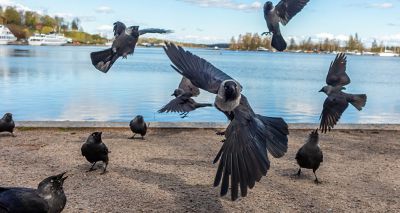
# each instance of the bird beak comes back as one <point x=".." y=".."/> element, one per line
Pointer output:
<point x="320" y="90"/>
<point x="172" y="94"/>
<point x="60" y="176"/>
<point x="100" y="133"/>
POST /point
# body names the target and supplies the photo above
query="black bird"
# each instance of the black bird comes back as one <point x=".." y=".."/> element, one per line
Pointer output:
<point x="243" y="158"/>
<point x="7" y="124"/>
<point x="183" y="102"/>
<point x="95" y="150"/>
<point x="48" y="197"/>
<point x="310" y="155"/>
<point x="337" y="101"/>
<point x="282" y="12"/>
<point x="138" y="126"/>
<point x="125" y="40"/>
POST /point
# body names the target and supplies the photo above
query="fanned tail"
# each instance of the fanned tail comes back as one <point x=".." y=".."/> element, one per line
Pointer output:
<point x="359" y="101"/>
<point x="278" y="42"/>
<point x="104" y="59"/>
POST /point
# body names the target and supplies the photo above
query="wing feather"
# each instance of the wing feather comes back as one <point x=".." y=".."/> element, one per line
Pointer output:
<point x="337" y="75"/>
<point x="287" y="9"/>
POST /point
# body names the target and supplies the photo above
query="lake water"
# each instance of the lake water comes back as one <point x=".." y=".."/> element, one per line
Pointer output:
<point x="60" y="83"/>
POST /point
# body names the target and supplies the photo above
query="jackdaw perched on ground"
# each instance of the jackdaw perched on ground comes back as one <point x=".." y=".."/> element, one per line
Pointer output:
<point x="125" y="40"/>
<point x="310" y="155"/>
<point x="282" y="12"/>
<point x="243" y="157"/>
<point x="183" y="102"/>
<point x="138" y="126"/>
<point x="7" y="124"/>
<point x="337" y="101"/>
<point x="48" y="197"/>
<point x="95" y="150"/>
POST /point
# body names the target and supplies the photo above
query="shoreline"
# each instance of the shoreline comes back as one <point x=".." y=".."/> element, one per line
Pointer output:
<point x="190" y="125"/>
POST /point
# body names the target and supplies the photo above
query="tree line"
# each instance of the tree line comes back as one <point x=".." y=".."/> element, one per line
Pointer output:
<point x="254" y="41"/>
<point x="25" y="23"/>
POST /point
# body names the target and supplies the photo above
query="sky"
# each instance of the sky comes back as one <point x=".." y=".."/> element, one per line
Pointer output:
<point x="214" y="21"/>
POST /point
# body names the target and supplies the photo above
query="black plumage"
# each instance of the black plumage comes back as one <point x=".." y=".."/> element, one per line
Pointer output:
<point x="310" y="155"/>
<point x="183" y="102"/>
<point x="124" y="43"/>
<point x="49" y="197"/>
<point x="138" y="126"/>
<point x="95" y="150"/>
<point x="243" y="158"/>
<point x="7" y="124"/>
<point x="281" y="13"/>
<point x="338" y="101"/>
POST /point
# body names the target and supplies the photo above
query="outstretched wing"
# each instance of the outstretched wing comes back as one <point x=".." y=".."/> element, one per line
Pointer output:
<point x="286" y="9"/>
<point x="179" y="104"/>
<point x="154" y="30"/>
<point x="337" y="71"/>
<point x="188" y="87"/>
<point x="200" y="72"/>
<point x="243" y="157"/>
<point x="334" y="105"/>
<point x="119" y="28"/>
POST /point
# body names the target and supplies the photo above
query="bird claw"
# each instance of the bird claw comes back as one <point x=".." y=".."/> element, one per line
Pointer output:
<point x="184" y="115"/>
<point x="104" y="172"/>
<point x="223" y="141"/>
<point x="316" y="181"/>
<point x="132" y="138"/>
<point x="221" y="133"/>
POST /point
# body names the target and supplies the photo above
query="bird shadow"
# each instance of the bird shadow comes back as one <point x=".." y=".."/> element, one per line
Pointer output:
<point x="4" y="135"/>
<point x="292" y="174"/>
<point x="189" y="197"/>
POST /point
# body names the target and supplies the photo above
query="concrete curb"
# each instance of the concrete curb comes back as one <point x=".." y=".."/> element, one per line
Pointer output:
<point x="189" y="125"/>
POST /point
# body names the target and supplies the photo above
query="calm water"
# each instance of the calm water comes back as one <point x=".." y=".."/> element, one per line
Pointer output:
<point x="59" y="83"/>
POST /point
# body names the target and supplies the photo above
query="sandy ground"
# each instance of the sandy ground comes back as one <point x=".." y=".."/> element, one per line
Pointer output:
<point x="172" y="171"/>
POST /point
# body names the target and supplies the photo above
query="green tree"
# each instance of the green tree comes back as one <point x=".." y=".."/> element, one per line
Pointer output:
<point x="232" y="44"/>
<point x="30" y="19"/>
<point x="48" y="21"/>
<point x="75" y="24"/>
<point x="47" y="30"/>
<point x="292" y="44"/>
<point x="12" y="16"/>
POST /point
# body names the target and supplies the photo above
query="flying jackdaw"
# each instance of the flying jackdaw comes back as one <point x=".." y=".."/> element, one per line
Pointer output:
<point x="138" y="126"/>
<point x="282" y="12"/>
<point x="337" y="101"/>
<point x="125" y="40"/>
<point x="310" y="155"/>
<point x="48" y="197"/>
<point x="95" y="150"/>
<point x="7" y="124"/>
<point x="243" y="158"/>
<point x="183" y="102"/>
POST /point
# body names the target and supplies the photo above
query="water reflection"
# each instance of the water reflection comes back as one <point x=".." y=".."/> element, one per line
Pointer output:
<point x="59" y="83"/>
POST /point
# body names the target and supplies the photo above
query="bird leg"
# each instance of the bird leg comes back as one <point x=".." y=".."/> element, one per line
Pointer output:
<point x="105" y="169"/>
<point x="91" y="168"/>
<point x="298" y="173"/>
<point x="12" y="134"/>
<point x="142" y="137"/>
<point x="266" y="33"/>
<point x="223" y="141"/>
<point x="184" y="114"/>
<point x="133" y="137"/>
<point x="316" y="178"/>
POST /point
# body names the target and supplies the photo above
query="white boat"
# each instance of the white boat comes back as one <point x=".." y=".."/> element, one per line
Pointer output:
<point x="52" y="39"/>
<point x="6" y="36"/>
<point x="388" y="53"/>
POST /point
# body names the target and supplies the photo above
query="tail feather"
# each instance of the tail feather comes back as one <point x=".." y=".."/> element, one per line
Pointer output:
<point x="104" y="59"/>
<point x="276" y="135"/>
<point x="359" y="101"/>
<point x="199" y="105"/>
<point x="278" y="42"/>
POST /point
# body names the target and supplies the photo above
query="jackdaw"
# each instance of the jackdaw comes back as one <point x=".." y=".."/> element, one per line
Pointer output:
<point x="282" y="12"/>
<point x="310" y="155"/>
<point x="183" y="102"/>
<point x="124" y="43"/>
<point x="95" y="150"/>
<point x="337" y="101"/>
<point x="138" y="126"/>
<point x="48" y="197"/>
<point x="7" y="124"/>
<point x="243" y="157"/>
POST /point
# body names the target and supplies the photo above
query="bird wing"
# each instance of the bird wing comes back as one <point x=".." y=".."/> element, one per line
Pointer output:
<point x="154" y="30"/>
<point x="187" y="86"/>
<point x="104" y="149"/>
<point x="337" y="71"/>
<point x="179" y="104"/>
<point x="200" y="72"/>
<point x="286" y="9"/>
<point x="243" y="157"/>
<point x="22" y="200"/>
<point x="334" y="105"/>
<point x="119" y="28"/>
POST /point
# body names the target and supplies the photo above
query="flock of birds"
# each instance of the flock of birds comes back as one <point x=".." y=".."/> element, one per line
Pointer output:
<point x="243" y="157"/>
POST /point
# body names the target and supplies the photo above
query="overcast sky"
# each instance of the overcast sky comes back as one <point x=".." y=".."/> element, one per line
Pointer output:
<point x="211" y="21"/>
